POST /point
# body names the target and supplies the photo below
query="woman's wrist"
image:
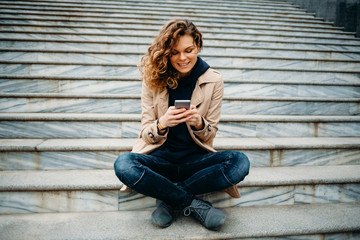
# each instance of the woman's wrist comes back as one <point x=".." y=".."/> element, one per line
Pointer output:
<point x="160" y="128"/>
<point x="161" y="124"/>
<point x="200" y="125"/>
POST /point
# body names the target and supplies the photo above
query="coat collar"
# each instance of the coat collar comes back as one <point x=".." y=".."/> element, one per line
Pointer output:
<point x="198" y="94"/>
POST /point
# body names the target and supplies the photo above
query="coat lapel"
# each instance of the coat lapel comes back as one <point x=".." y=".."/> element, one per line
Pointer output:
<point x="198" y="96"/>
<point x="163" y="100"/>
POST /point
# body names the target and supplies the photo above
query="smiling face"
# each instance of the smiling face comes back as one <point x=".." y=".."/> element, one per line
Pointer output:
<point x="184" y="55"/>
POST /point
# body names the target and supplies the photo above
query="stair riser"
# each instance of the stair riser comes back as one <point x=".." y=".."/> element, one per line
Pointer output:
<point x="207" y="37"/>
<point x="161" y="5"/>
<point x="155" y="6"/>
<point x="133" y="72"/>
<point x="142" y="49"/>
<point x="231" y="33"/>
<point x="211" y="60"/>
<point x="113" y="200"/>
<point x="68" y="105"/>
<point x="66" y="129"/>
<point x="156" y="27"/>
<point x="171" y="13"/>
<point x="225" y="47"/>
<point x="105" y="159"/>
<point x="151" y="21"/>
<point x="134" y="87"/>
<point x="115" y="11"/>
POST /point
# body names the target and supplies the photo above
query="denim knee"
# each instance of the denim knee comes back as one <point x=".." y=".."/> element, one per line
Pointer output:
<point x="128" y="169"/>
<point x="236" y="167"/>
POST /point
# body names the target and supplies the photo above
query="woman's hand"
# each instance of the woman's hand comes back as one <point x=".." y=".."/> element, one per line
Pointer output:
<point x="195" y="119"/>
<point x="174" y="116"/>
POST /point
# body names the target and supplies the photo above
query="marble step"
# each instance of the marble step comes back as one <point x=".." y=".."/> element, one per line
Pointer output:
<point x="100" y="153"/>
<point x="215" y="39"/>
<point x="264" y="74"/>
<point x="173" y="12"/>
<point x="239" y="28"/>
<point x="207" y="31"/>
<point x="208" y="35"/>
<point x="203" y="24"/>
<point x="101" y="10"/>
<point x="260" y="6"/>
<point x="60" y="125"/>
<point x="116" y="46"/>
<point x="210" y="50"/>
<point x="228" y="60"/>
<point x="314" y="221"/>
<point x="123" y="18"/>
<point x="44" y="84"/>
<point x="220" y="6"/>
<point x="230" y="4"/>
<point x="98" y="190"/>
<point x="130" y="103"/>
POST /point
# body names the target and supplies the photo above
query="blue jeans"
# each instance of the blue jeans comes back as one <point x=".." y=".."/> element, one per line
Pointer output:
<point x="157" y="177"/>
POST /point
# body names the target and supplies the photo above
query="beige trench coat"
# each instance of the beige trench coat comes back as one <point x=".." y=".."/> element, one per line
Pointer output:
<point x="207" y="97"/>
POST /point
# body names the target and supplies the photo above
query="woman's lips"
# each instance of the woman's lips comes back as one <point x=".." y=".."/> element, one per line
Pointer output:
<point x="183" y="65"/>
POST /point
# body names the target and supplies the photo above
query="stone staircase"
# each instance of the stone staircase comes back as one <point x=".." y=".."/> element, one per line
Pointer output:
<point x="70" y="104"/>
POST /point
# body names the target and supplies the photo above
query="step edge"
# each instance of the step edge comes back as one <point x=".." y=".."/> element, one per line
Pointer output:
<point x="70" y="180"/>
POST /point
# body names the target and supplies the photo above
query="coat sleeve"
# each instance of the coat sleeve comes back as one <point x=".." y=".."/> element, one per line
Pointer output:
<point x="212" y="116"/>
<point x="149" y="132"/>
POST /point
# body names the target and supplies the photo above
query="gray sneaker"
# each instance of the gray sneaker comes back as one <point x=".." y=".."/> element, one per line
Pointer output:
<point x="163" y="215"/>
<point x="204" y="212"/>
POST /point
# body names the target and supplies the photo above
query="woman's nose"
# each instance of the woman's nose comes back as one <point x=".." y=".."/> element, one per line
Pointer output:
<point x="182" y="56"/>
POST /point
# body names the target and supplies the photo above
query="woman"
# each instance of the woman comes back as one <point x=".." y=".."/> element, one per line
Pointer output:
<point x="173" y="159"/>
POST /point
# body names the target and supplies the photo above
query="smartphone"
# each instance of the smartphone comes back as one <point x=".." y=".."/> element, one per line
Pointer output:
<point x="182" y="104"/>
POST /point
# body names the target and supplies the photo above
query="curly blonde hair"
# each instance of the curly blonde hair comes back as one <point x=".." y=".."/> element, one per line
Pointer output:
<point x="155" y="65"/>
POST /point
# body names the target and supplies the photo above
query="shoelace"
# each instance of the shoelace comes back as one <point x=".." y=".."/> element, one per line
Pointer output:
<point x="200" y="206"/>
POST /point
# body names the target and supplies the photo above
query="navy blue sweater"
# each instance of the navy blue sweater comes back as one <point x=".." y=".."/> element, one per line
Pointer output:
<point x="179" y="146"/>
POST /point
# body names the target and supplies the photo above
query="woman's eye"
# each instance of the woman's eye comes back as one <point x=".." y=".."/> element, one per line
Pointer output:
<point x="174" y="53"/>
<point x="188" y="51"/>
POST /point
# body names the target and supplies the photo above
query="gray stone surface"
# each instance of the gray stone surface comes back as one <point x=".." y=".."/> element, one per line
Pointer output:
<point x="270" y="222"/>
<point x="106" y="179"/>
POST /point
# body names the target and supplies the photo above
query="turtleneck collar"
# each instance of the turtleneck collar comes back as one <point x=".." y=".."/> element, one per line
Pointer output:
<point x="200" y="67"/>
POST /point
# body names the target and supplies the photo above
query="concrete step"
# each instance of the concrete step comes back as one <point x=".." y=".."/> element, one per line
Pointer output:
<point x="75" y="125"/>
<point x="140" y="36"/>
<point x="260" y="7"/>
<point x="84" y="23"/>
<point x="100" y="153"/>
<point x="268" y="88"/>
<point x="298" y="49"/>
<point x="228" y="60"/>
<point x="101" y="10"/>
<point x="241" y="76"/>
<point x="156" y="25"/>
<point x="207" y="31"/>
<point x="106" y="12"/>
<point x="136" y="18"/>
<point x="230" y="4"/>
<point x="130" y="103"/>
<point x="98" y="190"/>
<point x="333" y="221"/>
<point x="129" y="69"/>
